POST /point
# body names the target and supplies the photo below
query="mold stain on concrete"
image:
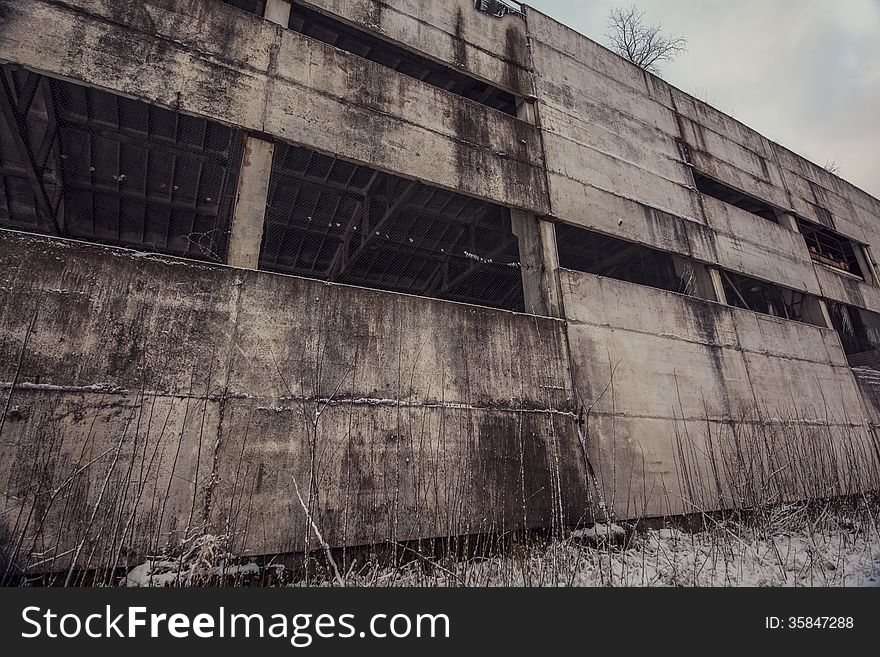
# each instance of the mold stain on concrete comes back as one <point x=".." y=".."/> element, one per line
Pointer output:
<point x="459" y="46"/>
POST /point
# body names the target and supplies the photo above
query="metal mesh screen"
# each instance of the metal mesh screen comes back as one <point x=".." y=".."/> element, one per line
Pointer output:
<point x="252" y="6"/>
<point x="603" y="255"/>
<point x="79" y="162"/>
<point x="337" y="221"/>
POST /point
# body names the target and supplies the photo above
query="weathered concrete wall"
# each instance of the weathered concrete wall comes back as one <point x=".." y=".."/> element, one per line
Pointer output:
<point x="154" y="395"/>
<point x="695" y="405"/>
<point x="203" y="393"/>
<point x="207" y="58"/>
<point x="612" y="136"/>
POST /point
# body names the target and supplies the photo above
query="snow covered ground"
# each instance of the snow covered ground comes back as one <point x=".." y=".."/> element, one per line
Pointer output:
<point x="795" y="546"/>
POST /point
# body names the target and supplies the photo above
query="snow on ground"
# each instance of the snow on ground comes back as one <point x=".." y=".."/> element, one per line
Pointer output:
<point x="792" y="547"/>
<point x="664" y="557"/>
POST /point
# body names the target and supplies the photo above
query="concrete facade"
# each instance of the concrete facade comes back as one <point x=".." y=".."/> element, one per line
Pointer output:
<point x="146" y="396"/>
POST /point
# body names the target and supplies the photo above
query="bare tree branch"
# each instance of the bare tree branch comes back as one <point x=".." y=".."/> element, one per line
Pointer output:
<point x="646" y="46"/>
<point x="831" y="166"/>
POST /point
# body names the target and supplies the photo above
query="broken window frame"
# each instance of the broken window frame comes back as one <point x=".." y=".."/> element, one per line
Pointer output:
<point x="768" y="298"/>
<point x="831" y="249"/>
<point x="854" y="326"/>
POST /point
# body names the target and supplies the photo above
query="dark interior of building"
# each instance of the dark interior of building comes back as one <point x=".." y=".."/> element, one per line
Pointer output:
<point x="337" y="221"/>
<point x="734" y="197"/>
<point x="79" y="162"/>
<point x="594" y="253"/>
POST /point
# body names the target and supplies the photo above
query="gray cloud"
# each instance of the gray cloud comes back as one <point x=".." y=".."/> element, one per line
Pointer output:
<point x="804" y="74"/>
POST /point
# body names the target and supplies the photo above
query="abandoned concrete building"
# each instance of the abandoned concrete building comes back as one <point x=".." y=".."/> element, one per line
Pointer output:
<point x="424" y="269"/>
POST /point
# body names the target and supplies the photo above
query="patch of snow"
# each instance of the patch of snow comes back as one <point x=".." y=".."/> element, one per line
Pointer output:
<point x="599" y="531"/>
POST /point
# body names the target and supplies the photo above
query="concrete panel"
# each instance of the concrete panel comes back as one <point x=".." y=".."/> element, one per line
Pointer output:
<point x="722" y="124"/>
<point x="336" y="102"/>
<point x="661" y="467"/>
<point x="213" y="64"/>
<point x="781" y="338"/>
<point x="566" y="84"/>
<point x="806" y="391"/>
<point x="336" y="345"/>
<point x="598" y="210"/>
<point x="547" y="32"/>
<point x="588" y="167"/>
<point x="809" y="199"/>
<point x="101" y="478"/>
<point x="731" y="175"/>
<point x="170" y="328"/>
<point x="451" y="32"/>
<point x="704" y="140"/>
<point x="817" y="174"/>
<point x="681" y="392"/>
<point x="657" y="375"/>
<point x="602" y="129"/>
<point x="382" y="473"/>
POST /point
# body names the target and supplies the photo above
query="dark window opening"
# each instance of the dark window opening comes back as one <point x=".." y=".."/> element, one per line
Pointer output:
<point x="734" y="197"/>
<point x="859" y="332"/>
<point x="83" y="163"/>
<point x="769" y="299"/>
<point x="337" y="221"/>
<point x="602" y="255"/>
<point x="830" y="248"/>
<point x="340" y="35"/>
<point x="251" y="6"/>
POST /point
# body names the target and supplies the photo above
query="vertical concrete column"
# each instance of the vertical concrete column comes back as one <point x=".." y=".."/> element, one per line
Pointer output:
<point x="250" y="204"/>
<point x="789" y="221"/>
<point x="866" y="263"/>
<point x="550" y="278"/>
<point x="525" y="110"/>
<point x="248" y="218"/>
<point x="537" y="246"/>
<point x="717" y="285"/>
<point x="825" y="314"/>
<point x="539" y="262"/>
<point x="277" y="11"/>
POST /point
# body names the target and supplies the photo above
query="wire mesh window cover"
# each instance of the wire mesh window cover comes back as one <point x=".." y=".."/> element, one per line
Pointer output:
<point x="584" y="250"/>
<point x="340" y="35"/>
<point x="251" y="6"/>
<point x="84" y="163"/>
<point x="336" y="221"/>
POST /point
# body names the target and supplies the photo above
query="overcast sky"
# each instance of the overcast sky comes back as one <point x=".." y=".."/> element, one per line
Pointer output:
<point x="805" y="74"/>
